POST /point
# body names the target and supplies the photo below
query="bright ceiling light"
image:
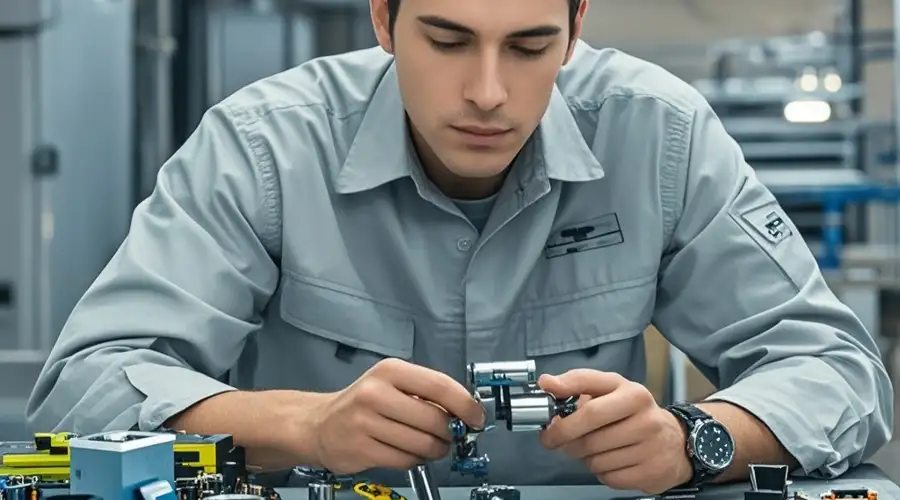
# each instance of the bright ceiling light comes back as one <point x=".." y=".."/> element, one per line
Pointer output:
<point x="807" y="112"/>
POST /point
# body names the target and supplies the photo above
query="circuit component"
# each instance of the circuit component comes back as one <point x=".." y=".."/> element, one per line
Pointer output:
<point x="850" y="493"/>
<point x="48" y="457"/>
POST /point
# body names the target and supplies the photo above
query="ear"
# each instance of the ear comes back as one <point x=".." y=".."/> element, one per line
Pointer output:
<point x="576" y="32"/>
<point x="381" y="24"/>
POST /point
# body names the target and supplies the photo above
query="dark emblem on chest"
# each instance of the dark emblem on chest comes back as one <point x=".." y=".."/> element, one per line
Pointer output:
<point x="593" y="234"/>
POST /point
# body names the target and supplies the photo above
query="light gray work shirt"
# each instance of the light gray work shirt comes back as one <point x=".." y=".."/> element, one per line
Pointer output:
<point x="293" y="242"/>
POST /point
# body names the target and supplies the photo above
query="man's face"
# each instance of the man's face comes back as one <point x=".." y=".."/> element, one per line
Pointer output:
<point x="475" y="75"/>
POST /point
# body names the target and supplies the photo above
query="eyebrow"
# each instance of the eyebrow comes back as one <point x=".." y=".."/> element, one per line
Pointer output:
<point x="446" y="24"/>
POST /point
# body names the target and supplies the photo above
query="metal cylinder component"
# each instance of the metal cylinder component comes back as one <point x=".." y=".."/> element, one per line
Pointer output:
<point x="422" y="483"/>
<point x="495" y="373"/>
<point x="320" y="491"/>
<point x="530" y="412"/>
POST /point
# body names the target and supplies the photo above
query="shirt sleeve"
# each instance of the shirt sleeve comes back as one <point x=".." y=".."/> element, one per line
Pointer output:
<point x="742" y="296"/>
<point x="169" y="315"/>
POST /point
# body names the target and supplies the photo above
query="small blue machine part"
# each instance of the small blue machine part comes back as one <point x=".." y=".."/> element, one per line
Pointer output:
<point x="123" y="465"/>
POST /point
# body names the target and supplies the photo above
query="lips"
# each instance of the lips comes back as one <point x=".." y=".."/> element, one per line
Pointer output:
<point x="483" y="131"/>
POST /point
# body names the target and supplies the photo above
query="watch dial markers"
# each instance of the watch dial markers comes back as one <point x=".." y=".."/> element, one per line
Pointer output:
<point x="714" y="446"/>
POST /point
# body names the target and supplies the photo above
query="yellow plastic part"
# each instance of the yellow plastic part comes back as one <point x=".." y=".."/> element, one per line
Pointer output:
<point x="376" y="492"/>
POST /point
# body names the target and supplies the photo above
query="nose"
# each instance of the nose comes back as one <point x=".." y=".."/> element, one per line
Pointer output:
<point x="485" y="88"/>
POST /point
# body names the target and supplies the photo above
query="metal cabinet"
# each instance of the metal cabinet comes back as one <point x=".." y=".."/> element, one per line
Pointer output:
<point x="65" y="172"/>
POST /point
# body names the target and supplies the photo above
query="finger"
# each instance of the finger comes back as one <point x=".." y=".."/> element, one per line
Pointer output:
<point x="415" y="413"/>
<point x="436" y="387"/>
<point x="382" y="455"/>
<point x="620" y="458"/>
<point x="407" y="439"/>
<point x="597" y="413"/>
<point x="603" y="440"/>
<point x="581" y="381"/>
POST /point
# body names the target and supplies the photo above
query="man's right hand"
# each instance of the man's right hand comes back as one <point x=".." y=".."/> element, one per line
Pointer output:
<point x="395" y="416"/>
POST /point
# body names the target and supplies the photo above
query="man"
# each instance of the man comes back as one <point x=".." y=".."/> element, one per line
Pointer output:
<point x="333" y="245"/>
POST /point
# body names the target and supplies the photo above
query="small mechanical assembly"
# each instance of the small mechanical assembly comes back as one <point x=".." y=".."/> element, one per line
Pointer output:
<point x="509" y="393"/>
<point x="850" y="493"/>
<point x="768" y="482"/>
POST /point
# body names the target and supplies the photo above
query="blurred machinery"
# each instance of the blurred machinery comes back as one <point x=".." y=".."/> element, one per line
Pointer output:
<point x="795" y="106"/>
<point x="65" y="145"/>
<point x="192" y="54"/>
<point x="25" y="166"/>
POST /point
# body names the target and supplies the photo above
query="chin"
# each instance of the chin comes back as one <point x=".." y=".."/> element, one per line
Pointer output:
<point x="470" y="171"/>
<point x="480" y="169"/>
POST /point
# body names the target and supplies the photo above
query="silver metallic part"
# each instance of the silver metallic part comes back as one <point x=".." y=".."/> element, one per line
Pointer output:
<point x="489" y="405"/>
<point x="516" y="372"/>
<point x="320" y="491"/>
<point x="530" y="412"/>
<point x="422" y="484"/>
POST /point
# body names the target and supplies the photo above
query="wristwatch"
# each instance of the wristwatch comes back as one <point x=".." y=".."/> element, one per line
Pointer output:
<point x="710" y="446"/>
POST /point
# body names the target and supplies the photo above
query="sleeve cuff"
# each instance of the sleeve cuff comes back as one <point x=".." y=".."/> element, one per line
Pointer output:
<point x="772" y="395"/>
<point x="169" y="390"/>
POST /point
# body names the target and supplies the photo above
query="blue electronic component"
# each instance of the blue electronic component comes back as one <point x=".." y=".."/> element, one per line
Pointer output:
<point x="471" y="466"/>
<point x="116" y="465"/>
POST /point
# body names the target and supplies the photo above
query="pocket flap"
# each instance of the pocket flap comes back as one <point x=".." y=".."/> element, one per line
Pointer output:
<point x="617" y="312"/>
<point x="347" y="319"/>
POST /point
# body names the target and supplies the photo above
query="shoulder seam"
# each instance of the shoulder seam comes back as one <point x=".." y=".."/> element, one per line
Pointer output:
<point x="595" y="104"/>
<point x="267" y="174"/>
<point x="676" y="152"/>
<point x="265" y="111"/>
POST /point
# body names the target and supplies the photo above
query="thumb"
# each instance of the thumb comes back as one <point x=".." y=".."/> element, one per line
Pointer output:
<point x="580" y="382"/>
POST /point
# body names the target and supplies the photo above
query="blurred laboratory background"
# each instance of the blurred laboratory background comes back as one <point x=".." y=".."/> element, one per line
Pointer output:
<point x="96" y="94"/>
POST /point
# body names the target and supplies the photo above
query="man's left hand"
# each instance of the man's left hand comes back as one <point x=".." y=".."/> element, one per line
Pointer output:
<point x="619" y="431"/>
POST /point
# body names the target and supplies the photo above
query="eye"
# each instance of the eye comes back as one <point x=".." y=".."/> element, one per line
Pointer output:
<point x="445" y="46"/>
<point x="530" y="52"/>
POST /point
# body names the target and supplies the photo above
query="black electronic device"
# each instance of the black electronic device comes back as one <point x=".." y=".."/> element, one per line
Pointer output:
<point x="768" y="482"/>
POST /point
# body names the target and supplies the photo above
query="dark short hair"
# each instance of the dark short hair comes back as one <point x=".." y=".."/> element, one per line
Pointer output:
<point x="394" y="7"/>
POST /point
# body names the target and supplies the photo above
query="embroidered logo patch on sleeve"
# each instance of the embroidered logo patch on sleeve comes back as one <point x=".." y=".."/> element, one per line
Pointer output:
<point x="770" y="221"/>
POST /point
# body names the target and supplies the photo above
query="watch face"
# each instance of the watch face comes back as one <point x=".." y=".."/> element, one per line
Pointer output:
<point x="713" y="445"/>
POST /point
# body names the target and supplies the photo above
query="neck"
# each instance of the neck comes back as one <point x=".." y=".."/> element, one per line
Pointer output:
<point x="452" y="185"/>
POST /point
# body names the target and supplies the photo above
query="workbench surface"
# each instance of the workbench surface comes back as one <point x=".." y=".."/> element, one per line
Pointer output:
<point x="866" y="476"/>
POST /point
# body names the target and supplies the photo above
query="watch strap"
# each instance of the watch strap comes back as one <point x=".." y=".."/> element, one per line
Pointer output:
<point x="689" y="412"/>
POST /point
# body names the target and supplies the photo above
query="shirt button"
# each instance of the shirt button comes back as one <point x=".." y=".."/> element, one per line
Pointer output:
<point x="464" y="244"/>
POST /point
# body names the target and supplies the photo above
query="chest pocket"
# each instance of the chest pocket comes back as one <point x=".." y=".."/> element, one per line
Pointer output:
<point x="596" y="330"/>
<point x="335" y="319"/>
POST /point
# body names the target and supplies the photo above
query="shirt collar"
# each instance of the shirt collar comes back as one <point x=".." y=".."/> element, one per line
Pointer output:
<point x="382" y="150"/>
